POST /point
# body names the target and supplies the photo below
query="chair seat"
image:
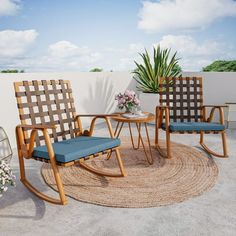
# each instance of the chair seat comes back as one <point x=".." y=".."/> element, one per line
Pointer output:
<point x="194" y="126"/>
<point x="76" y="148"/>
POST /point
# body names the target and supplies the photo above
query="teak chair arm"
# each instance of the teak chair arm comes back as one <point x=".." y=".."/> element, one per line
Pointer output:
<point x="95" y="115"/>
<point x="212" y="113"/>
<point x="35" y="129"/>
<point x="215" y="106"/>
<point x="92" y="125"/>
<point x="86" y="132"/>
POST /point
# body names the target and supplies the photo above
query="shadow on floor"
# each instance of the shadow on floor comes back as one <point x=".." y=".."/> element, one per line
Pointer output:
<point x="20" y="193"/>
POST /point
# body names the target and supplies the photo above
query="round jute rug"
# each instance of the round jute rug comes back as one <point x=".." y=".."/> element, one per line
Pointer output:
<point x="187" y="174"/>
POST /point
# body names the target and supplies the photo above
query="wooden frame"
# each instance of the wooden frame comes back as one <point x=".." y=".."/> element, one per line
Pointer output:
<point x="187" y="91"/>
<point x="138" y="122"/>
<point x="35" y="129"/>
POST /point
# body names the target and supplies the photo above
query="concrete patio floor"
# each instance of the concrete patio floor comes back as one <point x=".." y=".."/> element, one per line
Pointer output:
<point x="212" y="213"/>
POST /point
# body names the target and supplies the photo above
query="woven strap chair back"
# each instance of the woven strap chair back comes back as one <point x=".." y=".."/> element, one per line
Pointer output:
<point x="50" y="103"/>
<point x="184" y="97"/>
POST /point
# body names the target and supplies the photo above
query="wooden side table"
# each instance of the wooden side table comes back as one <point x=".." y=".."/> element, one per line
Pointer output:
<point x="138" y="121"/>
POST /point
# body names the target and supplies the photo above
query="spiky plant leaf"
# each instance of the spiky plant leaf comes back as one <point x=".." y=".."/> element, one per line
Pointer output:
<point x="148" y="73"/>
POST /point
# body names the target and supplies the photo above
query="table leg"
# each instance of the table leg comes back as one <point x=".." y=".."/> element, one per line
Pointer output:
<point x="149" y="157"/>
<point x="149" y="143"/>
<point x="117" y="126"/>
<point x="131" y="136"/>
<point x="118" y="130"/>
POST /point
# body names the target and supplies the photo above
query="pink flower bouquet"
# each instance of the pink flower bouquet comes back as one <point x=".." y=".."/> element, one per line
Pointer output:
<point x="127" y="100"/>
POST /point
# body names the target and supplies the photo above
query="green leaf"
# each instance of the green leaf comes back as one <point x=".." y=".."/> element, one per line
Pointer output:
<point x="148" y="73"/>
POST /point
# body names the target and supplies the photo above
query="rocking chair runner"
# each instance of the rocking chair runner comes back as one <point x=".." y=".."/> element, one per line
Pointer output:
<point x="181" y="111"/>
<point x="48" y="107"/>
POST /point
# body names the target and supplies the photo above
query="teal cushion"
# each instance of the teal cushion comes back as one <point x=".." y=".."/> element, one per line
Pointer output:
<point x="73" y="149"/>
<point x="194" y="126"/>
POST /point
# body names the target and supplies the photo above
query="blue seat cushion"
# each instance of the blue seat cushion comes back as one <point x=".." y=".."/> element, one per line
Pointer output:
<point x="76" y="148"/>
<point x="194" y="126"/>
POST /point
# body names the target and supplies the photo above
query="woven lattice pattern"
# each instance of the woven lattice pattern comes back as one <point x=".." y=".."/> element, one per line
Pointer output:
<point x="184" y="98"/>
<point x="49" y="103"/>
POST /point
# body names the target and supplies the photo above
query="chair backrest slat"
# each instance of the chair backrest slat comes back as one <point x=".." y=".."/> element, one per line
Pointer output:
<point x="184" y="96"/>
<point x="47" y="102"/>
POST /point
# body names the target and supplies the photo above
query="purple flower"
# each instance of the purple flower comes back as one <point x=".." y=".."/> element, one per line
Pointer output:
<point x="128" y="99"/>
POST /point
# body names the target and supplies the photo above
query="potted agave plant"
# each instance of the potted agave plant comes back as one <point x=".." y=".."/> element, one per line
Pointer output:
<point x="148" y="74"/>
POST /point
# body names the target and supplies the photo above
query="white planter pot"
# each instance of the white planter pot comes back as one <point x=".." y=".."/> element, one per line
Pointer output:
<point x="148" y="102"/>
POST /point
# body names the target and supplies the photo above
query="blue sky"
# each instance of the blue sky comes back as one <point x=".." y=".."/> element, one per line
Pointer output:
<point x="77" y="35"/>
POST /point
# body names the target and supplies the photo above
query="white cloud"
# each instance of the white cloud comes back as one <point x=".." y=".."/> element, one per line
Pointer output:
<point x="186" y="45"/>
<point x="194" y="55"/>
<point x="9" y="7"/>
<point x="135" y="48"/>
<point x="59" y="56"/>
<point x="67" y="56"/>
<point x="166" y="15"/>
<point x="122" y="59"/>
<point x="64" y="55"/>
<point x="16" y="43"/>
<point x="65" y="49"/>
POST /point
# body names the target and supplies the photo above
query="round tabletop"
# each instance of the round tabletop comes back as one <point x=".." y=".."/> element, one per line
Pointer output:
<point x="119" y="118"/>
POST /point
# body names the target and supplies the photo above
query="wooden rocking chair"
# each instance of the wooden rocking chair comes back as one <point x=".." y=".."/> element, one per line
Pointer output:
<point x="182" y="111"/>
<point x="48" y="107"/>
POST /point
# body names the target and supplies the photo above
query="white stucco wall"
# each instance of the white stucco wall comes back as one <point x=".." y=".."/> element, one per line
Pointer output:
<point x="94" y="92"/>
<point x="218" y="88"/>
